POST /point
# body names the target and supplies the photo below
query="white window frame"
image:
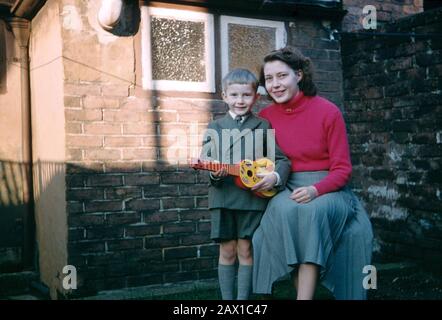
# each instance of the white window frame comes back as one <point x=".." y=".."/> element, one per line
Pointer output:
<point x="280" y="37"/>
<point x="146" y="54"/>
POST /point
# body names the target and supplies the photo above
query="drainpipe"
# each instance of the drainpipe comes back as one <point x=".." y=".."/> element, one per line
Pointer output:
<point x="21" y="30"/>
<point x="109" y="13"/>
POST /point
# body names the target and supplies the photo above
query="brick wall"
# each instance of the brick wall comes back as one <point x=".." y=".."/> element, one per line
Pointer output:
<point x="386" y="11"/>
<point x="135" y="217"/>
<point x="393" y="107"/>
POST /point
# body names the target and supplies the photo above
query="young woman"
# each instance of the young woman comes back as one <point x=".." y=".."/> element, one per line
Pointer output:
<point x="316" y="229"/>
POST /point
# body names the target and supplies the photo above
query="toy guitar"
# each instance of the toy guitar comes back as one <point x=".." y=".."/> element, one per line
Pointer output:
<point x="245" y="172"/>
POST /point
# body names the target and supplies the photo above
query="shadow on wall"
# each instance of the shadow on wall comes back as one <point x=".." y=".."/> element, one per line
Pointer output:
<point x="15" y="213"/>
<point x="17" y="220"/>
<point x="2" y="58"/>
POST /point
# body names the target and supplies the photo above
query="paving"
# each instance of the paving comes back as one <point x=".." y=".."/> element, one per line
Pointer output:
<point x="394" y="281"/>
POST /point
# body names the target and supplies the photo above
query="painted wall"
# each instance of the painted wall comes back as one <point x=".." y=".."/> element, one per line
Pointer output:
<point x="49" y="152"/>
<point x="14" y="167"/>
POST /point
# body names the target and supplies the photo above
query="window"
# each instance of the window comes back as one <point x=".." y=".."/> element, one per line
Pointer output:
<point x="244" y="42"/>
<point x="177" y="50"/>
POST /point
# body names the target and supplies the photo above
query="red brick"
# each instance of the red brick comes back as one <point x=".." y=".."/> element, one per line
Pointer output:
<point x="82" y="220"/>
<point x="122" y="167"/>
<point x="116" y="245"/>
<point x="123" y="218"/>
<point x="115" y="90"/>
<point x="102" y="154"/>
<point x="140" y="154"/>
<point x="142" y="230"/>
<point x="139" y="128"/>
<point x="158" y="166"/>
<point x="181" y="227"/>
<point x="195" y="239"/>
<point x="74" y="154"/>
<point x="104" y="181"/>
<point x="107" y="232"/>
<point x="84" y="167"/>
<point x="72" y="102"/>
<point x="74" y="207"/>
<point x="198" y="264"/>
<point x="202" y="202"/>
<point x="161" y="116"/>
<point x="102" y="128"/>
<point x="124" y="116"/>
<point x="86" y="246"/>
<point x="178" y="177"/>
<point x="122" y="142"/>
<point x="73" y="127"/>
<point x="83" y="141"/>
<point x="85" y="194"/>
<point x="178" y="203"/>
<point x="123" y="193"/>
<point x="143" y="204"/>
<point x="103" y="206"/>
<point x="180" y="253"/>
<point x="100" y="102"/>
<point x="75" y="234"/>
<point x="158" y="141"/>
<point x="209" y="250"/>
<point x="75" y="89"/>
<point x="74" y="181"/>
<point x="158" y="217"/>
<point x="141" y="179"/>
<point x="160" y="191"/>
<point x="161" y="242"/>
<point x="83" y="115"/>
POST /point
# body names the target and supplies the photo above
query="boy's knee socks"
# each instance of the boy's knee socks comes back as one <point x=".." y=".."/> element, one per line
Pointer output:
<point x="244" y="281"/>
<point x="226" y="278"/>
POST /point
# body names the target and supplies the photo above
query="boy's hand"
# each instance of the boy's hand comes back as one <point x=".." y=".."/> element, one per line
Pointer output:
<point x="304" y="194"/>
<point x="268" y="182"/>
<point x="221" y="173"/>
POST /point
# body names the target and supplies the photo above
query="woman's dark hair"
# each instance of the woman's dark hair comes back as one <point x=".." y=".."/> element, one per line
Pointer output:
<point x="296" y="61"/>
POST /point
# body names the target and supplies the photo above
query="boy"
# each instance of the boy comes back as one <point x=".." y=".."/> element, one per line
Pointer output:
<point x="236" y="212"/>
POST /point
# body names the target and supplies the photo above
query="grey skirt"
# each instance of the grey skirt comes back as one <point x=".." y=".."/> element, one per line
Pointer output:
<point x="333" y="231"/>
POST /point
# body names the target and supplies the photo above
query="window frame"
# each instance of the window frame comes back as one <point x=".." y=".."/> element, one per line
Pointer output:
<point x="280" y="37"/>
<point x="146" y="52"/>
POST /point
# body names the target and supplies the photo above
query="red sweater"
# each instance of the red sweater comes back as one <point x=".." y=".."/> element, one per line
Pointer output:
<point x="311" y="132"/>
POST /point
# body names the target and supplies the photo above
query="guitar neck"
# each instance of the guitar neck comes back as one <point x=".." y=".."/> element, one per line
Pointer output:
<point x="232" y="169"/>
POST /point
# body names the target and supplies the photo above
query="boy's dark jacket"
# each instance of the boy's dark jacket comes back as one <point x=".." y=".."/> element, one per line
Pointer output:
<point x="224" y="193"/>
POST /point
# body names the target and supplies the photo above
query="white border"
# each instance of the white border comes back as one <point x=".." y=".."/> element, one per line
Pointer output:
<point x="146" y="55"/>
<point x="280" y="37"/>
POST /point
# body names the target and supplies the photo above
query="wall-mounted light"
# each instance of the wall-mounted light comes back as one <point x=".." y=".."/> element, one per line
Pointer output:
<point x="109" y="13"/>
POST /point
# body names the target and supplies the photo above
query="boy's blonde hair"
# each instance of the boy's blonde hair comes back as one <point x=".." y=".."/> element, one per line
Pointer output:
<point x="240" y="76"/>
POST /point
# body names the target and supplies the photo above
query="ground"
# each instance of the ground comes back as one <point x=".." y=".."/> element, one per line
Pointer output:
<point x="395" y="281"/>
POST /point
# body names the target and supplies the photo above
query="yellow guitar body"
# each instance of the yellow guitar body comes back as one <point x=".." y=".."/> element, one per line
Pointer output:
<point x="249" y="169"/>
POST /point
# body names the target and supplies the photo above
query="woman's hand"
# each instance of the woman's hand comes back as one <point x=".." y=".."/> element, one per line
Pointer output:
<point x="268" y="182"/>
<point x="304" y="194"/>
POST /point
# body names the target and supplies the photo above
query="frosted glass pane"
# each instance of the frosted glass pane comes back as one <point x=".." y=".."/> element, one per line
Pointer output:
<point x="178" y="50"/>
<point x="248" y="45"/>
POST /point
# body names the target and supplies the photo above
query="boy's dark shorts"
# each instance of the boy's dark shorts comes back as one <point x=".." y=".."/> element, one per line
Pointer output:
<point x="234" y="224"/>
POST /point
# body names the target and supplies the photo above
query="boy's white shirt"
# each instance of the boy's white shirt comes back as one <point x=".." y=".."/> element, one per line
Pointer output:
<point x="244" y="117"/>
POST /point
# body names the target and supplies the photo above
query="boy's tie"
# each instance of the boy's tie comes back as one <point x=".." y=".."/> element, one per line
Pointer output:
<point x="238" y="120"/>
